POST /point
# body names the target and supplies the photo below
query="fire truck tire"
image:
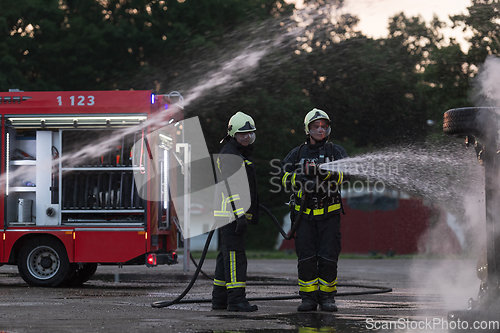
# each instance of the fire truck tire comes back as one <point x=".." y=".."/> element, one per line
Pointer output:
<point x="81" y="275"/>
<point x="43" y="262"/>
<point x="461" y="122"/>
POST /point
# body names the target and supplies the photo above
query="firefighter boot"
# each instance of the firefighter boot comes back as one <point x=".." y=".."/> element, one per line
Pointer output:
<point x="327" y="302"/>
<point x="218" y="306"/>
<point x="309" y="301"/>
<point x="241" y="307"/>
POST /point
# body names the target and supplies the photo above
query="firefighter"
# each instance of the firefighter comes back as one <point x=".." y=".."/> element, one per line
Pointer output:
<point x="236" y="205"/>
<point x="317" y="241"/>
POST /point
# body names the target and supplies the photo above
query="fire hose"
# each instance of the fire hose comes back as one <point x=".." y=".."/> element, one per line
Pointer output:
<point x="179" y="299"/>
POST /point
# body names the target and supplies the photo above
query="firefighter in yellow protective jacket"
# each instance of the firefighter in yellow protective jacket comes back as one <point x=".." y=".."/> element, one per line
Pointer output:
<point x="317" y="242"/>
<point x="236" y="205"/>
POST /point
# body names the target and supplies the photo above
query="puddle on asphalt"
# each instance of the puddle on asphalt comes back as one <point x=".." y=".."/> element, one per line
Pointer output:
<point x="302" y="323"/>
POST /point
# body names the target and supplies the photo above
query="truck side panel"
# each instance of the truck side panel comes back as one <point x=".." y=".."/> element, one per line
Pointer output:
<point x="109" y="246"/>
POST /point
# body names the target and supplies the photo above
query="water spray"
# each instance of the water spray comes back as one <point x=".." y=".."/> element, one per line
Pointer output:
<point x="437" y="173"/>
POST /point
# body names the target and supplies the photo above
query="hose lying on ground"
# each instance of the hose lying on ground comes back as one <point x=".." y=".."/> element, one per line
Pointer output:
<point x="162" y="304"/>
<point x="178" y="300"/>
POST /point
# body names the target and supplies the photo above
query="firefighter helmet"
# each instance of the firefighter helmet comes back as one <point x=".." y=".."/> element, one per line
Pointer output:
<point x="240" y="123"/>
<point x="313" y="115"/>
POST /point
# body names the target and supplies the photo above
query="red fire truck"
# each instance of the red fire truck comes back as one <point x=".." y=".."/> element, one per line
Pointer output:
<point x="68" y="198"/>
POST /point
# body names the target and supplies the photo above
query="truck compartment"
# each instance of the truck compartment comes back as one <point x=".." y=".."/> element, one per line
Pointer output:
<point x="73" y="176"/>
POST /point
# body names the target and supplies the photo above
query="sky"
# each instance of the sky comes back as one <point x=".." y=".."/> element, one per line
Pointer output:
<point x="374" y="14"/>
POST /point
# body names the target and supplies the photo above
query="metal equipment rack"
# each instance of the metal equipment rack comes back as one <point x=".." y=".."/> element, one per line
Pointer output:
<point x="101" y="188"/>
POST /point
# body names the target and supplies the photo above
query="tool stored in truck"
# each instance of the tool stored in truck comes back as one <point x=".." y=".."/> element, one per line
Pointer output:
<point x="68" y="198"/>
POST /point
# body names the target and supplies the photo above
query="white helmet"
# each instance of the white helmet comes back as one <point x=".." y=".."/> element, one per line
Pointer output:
<point x="313" y="115"/>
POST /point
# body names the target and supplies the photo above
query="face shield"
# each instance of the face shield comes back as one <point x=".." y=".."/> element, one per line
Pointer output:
<point x="319" y="129"/>
<point x="245" y="138"/>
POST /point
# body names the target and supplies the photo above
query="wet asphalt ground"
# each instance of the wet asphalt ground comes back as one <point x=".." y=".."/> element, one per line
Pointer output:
<point x="119" y="299"/>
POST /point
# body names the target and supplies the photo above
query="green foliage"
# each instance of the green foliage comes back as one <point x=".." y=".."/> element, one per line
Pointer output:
<point x="482" y="20"/>
<point x="445" y="81"/>
<point x="92" y="45"/>
<point x="369" y="90"/>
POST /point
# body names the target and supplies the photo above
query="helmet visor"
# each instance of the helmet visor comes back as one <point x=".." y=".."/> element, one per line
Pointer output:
<point x="319" y="129"/>
<point x="245" y="138"/>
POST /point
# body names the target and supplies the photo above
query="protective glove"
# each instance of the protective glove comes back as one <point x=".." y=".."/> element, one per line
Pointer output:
<point x="241" y="225"/>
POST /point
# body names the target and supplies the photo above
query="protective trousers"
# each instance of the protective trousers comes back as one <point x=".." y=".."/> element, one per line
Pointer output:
<point x="231" y="268"/>
<point x="317" y="244"/>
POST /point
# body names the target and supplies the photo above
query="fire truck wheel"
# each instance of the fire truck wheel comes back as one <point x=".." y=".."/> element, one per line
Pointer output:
<point x="43" y="262"/>
<point x="80" y="275"/>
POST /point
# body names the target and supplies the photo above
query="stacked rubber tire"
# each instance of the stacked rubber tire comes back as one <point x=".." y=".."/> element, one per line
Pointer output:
<point x="470" y="121"/>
